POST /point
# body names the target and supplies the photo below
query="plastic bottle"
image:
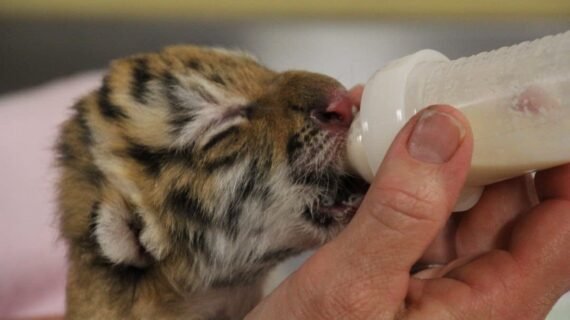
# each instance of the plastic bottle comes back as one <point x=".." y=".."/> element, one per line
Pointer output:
<point x="517" y="100"/>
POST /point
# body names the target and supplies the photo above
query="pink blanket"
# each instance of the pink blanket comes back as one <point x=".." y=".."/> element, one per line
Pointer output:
<point x="32" y="264"/>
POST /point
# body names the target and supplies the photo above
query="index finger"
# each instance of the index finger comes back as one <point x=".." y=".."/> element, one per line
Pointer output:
<point x="553" y="183"/>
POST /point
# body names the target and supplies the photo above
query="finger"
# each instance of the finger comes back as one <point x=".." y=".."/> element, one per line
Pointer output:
<point x="540" y="243"/>
<point x="488" y="225"/>
<point x="481" y="287"/>
<point x="442" y="249"/>
<point x="364" y="272"/>
<point x="554" y="183"/>
<point x="532" y="274"/>
<point x="414" y="191"/>
<point x="543" y="239"/>
<point x="440" y="270"/>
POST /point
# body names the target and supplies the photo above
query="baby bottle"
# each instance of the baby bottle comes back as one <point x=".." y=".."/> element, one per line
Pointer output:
<point x="517" y="100"/>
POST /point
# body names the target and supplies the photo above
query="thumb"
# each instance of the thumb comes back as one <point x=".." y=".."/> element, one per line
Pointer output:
<point x="364" y="272"/>
<point x="413" y="193"/>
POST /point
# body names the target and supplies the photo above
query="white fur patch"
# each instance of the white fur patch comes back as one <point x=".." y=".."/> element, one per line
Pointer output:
<point x="206" y="113"/>
<point x="152" y="238"/>
<point x="116" y="239"/>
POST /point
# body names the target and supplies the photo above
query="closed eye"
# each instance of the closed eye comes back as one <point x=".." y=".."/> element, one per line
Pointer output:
<point x="221" y="132"/>
<point x="220" y="136"/>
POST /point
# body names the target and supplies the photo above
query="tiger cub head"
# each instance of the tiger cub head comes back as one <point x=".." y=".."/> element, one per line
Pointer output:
<point x="212" y="167"/>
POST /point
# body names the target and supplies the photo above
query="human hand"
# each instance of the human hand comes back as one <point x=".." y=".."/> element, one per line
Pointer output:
<point x="504" y="259"/>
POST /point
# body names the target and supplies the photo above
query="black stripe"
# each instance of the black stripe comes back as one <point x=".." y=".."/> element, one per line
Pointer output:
<point x="68" y="155"/>
<point x="93" y="174"/>
<point x="156" y="159"/>
<point x="179" y="122"/>
<point x="88" y="240"/>
<point x="247" y="112"/>
<point x="221" y="162"/>
<point x="93" y="215"/>
<point x="170" y="84"/>
<point x="264" y="164"/>
<point x="218" y="79"/>
<point x="248" y="185"/>
<point x="217" y="138"/>
<point x="276" y="256"/>
<point x="136" y="226"/>
<point x="194" y="64"/>
<point x="141" y="77"/>
<point x="297" y="108"/>
<point x="313" y="133"/>
<point x="258" y="171"/>
<point x="65" y="154"/>
<point x="86" y="136"/>
<point x="198" y="241"/>
<point x="109" y="110"/>
<point x="180" y="116"/>
<point x="293" y="146"/>
<point x="181" y="203"/>
<point x="266" y="197"/>
<point x="123" y="279"/>
<point x="232" y="217"/>
<point x="204" y="94"/>
<point x="152" y="160"/>
<point x="255" y="176"/>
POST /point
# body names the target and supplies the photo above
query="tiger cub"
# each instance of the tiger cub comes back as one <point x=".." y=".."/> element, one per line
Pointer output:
<point x="190" y="173"/>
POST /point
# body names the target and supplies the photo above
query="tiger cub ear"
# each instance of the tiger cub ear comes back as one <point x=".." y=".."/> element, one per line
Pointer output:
<point x="118" y="233"/>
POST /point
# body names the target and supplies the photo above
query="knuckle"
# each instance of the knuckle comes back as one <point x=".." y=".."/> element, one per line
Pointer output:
<point x="357" y="300"/>
<point x="403" y="207"/>
<point x="506" y="268"/>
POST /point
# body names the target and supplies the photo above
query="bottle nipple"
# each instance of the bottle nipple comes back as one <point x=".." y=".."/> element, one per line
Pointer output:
<point x="356" y="155"/>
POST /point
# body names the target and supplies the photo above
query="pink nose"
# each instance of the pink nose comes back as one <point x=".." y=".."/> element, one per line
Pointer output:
<point x="338" y="114"/>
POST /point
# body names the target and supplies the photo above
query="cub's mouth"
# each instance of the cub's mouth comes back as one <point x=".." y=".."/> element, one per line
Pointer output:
<point x="341" y="204"/>
<point x="342" y="197"/>
<point x="340" y="192"/>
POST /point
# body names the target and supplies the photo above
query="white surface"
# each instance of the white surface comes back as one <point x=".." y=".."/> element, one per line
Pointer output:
<point x="561" y="310"/>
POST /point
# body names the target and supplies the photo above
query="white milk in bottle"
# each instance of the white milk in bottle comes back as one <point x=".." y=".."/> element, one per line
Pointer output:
<point x="517" y="100"/>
